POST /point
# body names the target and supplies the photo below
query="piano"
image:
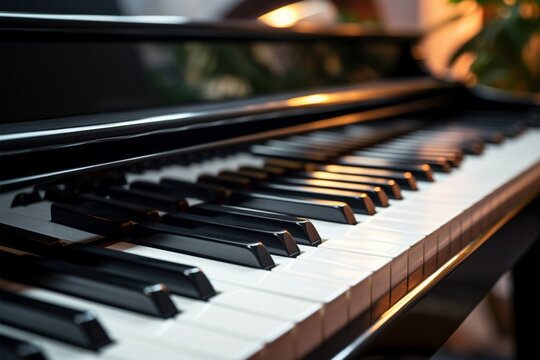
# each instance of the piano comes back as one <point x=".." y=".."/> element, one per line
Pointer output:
<point x="179" y="190"/>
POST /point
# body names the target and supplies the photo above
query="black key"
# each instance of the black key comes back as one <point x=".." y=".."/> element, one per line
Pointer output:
<point x="437" y="163"/>
<point x="405" y="179"/>
<point x="180" y="279"/>
<point x="327" y="150"/>
<point x="153" y="200"/>
<point x="87" y="218"/>
<point x="359" y="202"/>
<point x="26" y="198"/>
<point x="334" y="211"/>
<point x="285" y="164"/>
<point x="454" y="155"/>
<point x="86" y="282"/>
<point x="277" y="241"/>
<point x="68" y="325"/>
<point x="183" y="189"/>
<point x="294" y="154"/>
<point x="56" y="194"/>
<point x="120" y="207"/>
<point x="376" y="194"/>
<point x="15" y="349"/>
<point x="302" y="229"/>
<point x="227" y="181"/>
<point x="266" y="169"/>
<point x="451" y="157"/>
<point x="202" y="243"/>
<point x="420" y="171"/>
<point x="28" y="241"/>
<point x="390" y="187"/>
<point x="254" y="175"/>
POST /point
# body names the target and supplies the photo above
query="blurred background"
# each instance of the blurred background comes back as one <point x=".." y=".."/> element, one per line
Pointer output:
<point x="489" y="42"/>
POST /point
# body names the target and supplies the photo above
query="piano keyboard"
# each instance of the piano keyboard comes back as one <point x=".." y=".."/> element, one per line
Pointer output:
<point x="260" y="254"/>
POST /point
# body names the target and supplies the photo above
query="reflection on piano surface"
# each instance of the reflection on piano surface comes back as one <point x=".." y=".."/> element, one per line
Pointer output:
<point x="347" y="205"/>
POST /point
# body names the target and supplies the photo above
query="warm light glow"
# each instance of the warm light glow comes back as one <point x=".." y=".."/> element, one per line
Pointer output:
<point x="309" y="100"/>
<point x="283" y="17"/>
<point x="315" y="11"/>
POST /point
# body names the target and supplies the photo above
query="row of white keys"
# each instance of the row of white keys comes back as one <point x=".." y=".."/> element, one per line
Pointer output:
<point x="182" y="334"/>
<point x="331" y="296"/>
<point x="354" y="279"/>
<point x="275" y="344"/>
<point x="124" y="348"/>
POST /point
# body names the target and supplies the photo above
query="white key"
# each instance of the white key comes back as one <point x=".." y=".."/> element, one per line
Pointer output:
<point x="378" y="266"/>
<point x="398" y="254"/>
<point x="358" y="281"/>
<point x="307" y="315"/>
<point x="418" y="246"/>
<point x="332" y="296"/>
<point x="173" y="334"/>
<point x="123" y="348"/>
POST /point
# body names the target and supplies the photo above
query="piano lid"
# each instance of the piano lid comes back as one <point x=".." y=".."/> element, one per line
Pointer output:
<point x="143" y="86"/>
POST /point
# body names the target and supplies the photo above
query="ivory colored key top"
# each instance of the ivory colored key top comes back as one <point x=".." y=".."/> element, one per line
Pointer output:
<point x="426" y="232"/>
<point x="378" y="266"/>
<point x="397" y="253"/>
<point x="307" y="315"/>
<point x="332" y="297"/>
<point x="175" y="334"/>
<point x="416" y="243"/>
<point x="357" y="280"/>
<point x="124" y="347"/>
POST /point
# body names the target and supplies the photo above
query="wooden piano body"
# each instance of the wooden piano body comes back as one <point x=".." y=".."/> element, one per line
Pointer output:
<point x="78" y="102"/>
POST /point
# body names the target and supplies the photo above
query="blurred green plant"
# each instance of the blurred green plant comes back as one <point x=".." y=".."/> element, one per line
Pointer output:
<point x="507" y="49"/>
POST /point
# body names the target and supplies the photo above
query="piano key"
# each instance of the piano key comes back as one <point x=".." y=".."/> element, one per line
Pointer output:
<point x="376" y="194"/>
<point x="428" y="230"/>
<point x="307" y="315"/>
<point x="302" y="229"/>
<point x="332" y="296"/>
<point x="89" y="219"/>
<point x="398" y="253"/>
<point x="390" y="187"/>
<point x="180" y="279"/>
<point x="405" y="179"/>
<point x="437" y="163"/>
<point x="454" y="158"/>
<point x="132" y="211"/>
<point x="357" y="280"/>
<point x="202" y="243"/>
<point x="181" y="188"/>
<point x="227" y="181"/>
<point x="28" y="241"/>
<point x="420" y="171"/>
<point x="395" y="147"/>
<point x="175" y="334"/>
<point x="292" y="154"/>
<point x="277" y="241"/>
<point x="379" y="267"/>
<point x="26" y="198"/>
<point x="358" y="201"/>
<point x="21" y="217"/>
<point x="152" y="200"/>
<point x="333" y="211"/>
<point x="268" y="169"/>
<point x="252" y="174"/>
<point x="66" y="324"/>
<point x="138" y="296"/>
<point x="293" y="145"/>
<point x="277" y="335"/>
<point x="17" y="349"/>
